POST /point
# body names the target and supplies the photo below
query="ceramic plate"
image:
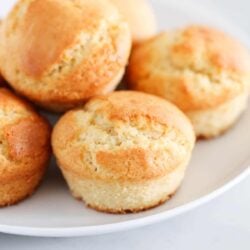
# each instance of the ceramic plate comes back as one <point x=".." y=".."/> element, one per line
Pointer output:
<point x="216" y="165"/>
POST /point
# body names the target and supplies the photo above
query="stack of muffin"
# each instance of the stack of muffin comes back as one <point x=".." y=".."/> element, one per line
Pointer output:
<point x="121" y="151"/>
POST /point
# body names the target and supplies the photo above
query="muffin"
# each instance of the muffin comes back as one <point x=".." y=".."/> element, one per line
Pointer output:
<point x="203" y="71"/>
<point x="140" y="17"/>
<point x="24" y="149"/>
<point x="123" y="152"/>
<point x="59" y="53"/>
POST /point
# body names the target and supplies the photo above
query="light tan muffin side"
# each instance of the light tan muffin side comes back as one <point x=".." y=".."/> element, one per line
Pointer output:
<point x="213" y="122"/>
<point x="125" y="197"/>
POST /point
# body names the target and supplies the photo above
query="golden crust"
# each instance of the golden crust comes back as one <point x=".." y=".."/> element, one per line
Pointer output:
<point x="15" y="191"/>
<point x="24" y="147"/>
<point x="139" y="169"/>
<point x="58" y="66"/>
<point x="140" y="17"/>
<point x="23" y="139"/>
<point x="196" y="68"/>
<point x="35" y="43"/>
<point x="125" y="135"/>
<point x="127" y="105"/>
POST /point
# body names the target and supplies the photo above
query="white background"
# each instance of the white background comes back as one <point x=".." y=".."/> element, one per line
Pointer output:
<point x="222" y="224"/>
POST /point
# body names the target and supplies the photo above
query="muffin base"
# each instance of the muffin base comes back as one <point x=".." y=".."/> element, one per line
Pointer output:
<point x="121" y="197"/>
<point x="15" y="191"/>
<point x="214" y="122"/>
<point x="129" y="211"/>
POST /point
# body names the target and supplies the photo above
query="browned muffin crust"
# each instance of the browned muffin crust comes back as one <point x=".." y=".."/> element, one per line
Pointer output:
<point x="63" y="59"/>
<point x="24" y="148"/>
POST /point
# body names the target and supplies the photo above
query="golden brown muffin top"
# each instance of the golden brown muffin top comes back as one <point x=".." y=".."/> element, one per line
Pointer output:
<point x="125" y="135"/>
<point x="63" y="52"/>
<point x="24" y="138"/>
<point x="196" y="67"/>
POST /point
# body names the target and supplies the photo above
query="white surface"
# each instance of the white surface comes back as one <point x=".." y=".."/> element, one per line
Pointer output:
<point x="224" y="224"/>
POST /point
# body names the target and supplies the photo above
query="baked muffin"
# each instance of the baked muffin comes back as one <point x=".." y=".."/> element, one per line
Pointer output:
<point x="59" y="53"/>
<point x="140" y="17"/>
<point x="204" y="71"/>
<point x="123" y="152"/>
<point x="24" y="148"/>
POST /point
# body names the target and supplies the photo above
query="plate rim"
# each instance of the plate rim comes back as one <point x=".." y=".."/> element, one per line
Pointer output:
<point x="126" y="225"/>
<point x="149" y="219"/>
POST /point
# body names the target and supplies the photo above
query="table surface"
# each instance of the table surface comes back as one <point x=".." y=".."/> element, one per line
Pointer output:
<point x="224" y="223"/>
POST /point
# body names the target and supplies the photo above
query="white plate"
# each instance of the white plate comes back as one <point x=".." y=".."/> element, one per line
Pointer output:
<point x="216" y="166"/>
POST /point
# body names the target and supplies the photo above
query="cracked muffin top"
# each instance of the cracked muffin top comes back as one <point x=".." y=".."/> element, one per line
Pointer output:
<point x="125" y="135"/>
<point x="59" y="53"/>
<point x="196" y="68"/>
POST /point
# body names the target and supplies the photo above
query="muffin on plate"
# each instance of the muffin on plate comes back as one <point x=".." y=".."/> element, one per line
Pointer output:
<point x="140" y="17"/>
<point x="59" y="53"/>
<point x="24" y="148"/>
<point x="204" y="71"/>
<point x="123" y="152"/>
